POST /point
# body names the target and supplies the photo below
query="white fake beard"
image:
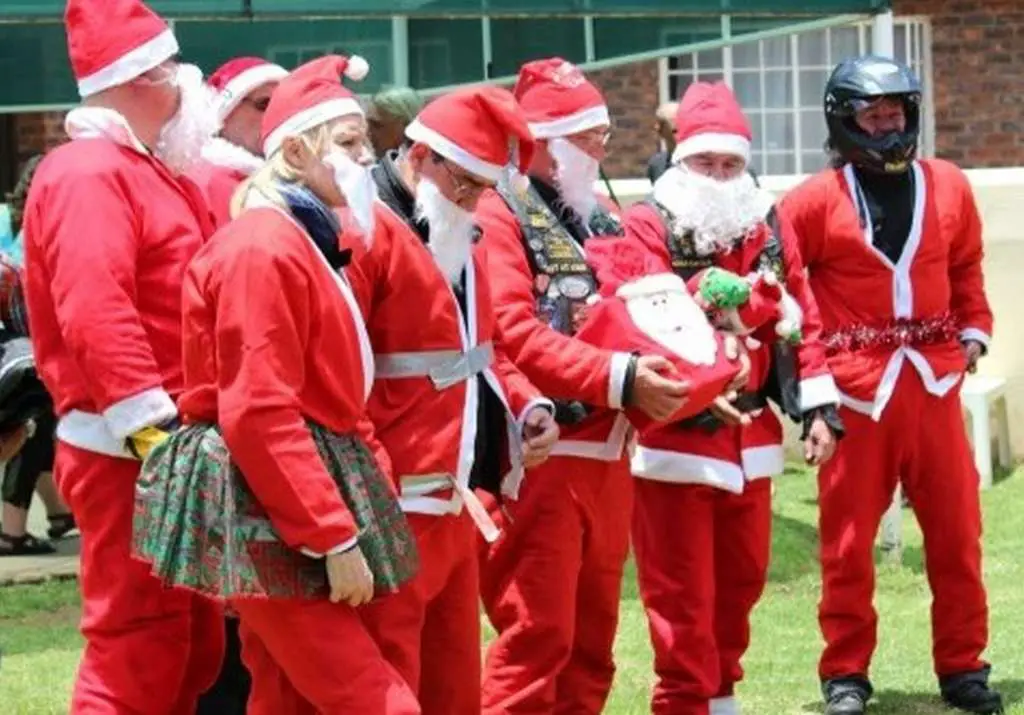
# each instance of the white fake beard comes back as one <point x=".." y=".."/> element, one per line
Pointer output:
<point x="576" y="172"/>
<point x="181" y="141"/>
<point x="451" y="229"/>
<point x="675" y="321"/>
<point x="719" y="213"/>
<point x="355" y="181"/>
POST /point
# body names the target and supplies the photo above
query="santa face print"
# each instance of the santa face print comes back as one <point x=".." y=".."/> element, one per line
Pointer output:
<point x="673" y="320"/>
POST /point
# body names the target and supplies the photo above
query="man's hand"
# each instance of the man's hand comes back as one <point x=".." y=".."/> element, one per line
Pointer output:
<point x="659" y="397"/>
<point x="349" y="578"/>
<point x="820" y="444"/>
<point x="973" y="350"/>
<point x="12" y="442"/>
<point x="540" y="432"/>
<point x="735" y="351"/>
<point x="724" y="410"/>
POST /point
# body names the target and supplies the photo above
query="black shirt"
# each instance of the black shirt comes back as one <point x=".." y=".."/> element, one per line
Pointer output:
<point x="486" y="472"/>
<point x="890" y="205"/>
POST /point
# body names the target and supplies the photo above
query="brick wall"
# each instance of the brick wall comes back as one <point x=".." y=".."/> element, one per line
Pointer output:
<point x="632" y="94"/>
<point x="977" y="56"/>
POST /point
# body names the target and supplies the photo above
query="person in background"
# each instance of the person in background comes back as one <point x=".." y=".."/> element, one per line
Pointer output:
<point x="664" y="125"/>
<point x="893" y="249"/>
<point x="388" y="114"/>
<point x="28" y="467"/>
<point x="110" y="225"/>
<point x="243" y="86"/>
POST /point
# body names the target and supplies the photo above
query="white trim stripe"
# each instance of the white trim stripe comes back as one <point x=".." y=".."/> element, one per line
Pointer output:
<point x="241" y="86"/>
<point x="130" y="65"/>
<point x="976" y="335"/>
<point x="617" y="379"/>
<point x="662" y="465"/>
<point x="712" y="142"/>
<point x="818" y="391"/>
<point x="308" y="119"/>
<point x="145" y="409"/>
<point x="420" y="132"/>
<point x="766" y="461"/>
<point x="573" y="124"/>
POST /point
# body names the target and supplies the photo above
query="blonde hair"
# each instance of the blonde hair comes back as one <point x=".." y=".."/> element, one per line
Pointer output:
<point x="276" y="169"/>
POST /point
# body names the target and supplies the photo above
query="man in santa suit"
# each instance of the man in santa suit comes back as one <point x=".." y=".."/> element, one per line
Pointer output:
<point x="702" y="518"/>
<point x="109" y="228"/>
<point x="243" y="86"/>
<point x="551" y="583"/>
<point x="893" y="246"/>
<point x="448" y="407"/>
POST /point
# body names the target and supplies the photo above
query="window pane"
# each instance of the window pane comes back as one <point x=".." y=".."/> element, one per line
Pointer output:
<point x="757" y="162"/>
<point x="677" y="84"/>
<point x="813" y="131"/>
<point x="812" y="48"/>
<point x="777" y="52"/>
<point x="779" y="132"/>
<point x="709" y="60"/>
<point x="813" y="161"/>
<point x="680" y="62"/>
<point x="812" y="87"/>
<point x="443" y="52"/>
<point x="845" y="43"/>
<point x="755" y="126"/>
<point x="780" y="164"/>
<point x="747" y="55"/>
<point x="747" y="87"/>
<point x="710" y="76"/>
<point x="778" y="89"/>
<point x="517" y="41"/>
<point x="901" y="41"/>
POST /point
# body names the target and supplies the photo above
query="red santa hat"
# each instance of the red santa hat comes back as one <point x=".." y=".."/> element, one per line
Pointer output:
<point x="482" y="129"/>
<point x="709" y="119"/>
<point x="310" y="96"/>
<point x="111" y="42"/>
<point x="235" y="79"/>
<point x="558" y="100"/>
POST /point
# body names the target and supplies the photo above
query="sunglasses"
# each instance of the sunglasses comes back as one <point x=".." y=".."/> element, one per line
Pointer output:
<point x="260" y="105"/>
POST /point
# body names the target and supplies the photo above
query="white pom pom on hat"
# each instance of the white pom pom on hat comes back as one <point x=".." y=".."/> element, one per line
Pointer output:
<point x="357" y="68"/>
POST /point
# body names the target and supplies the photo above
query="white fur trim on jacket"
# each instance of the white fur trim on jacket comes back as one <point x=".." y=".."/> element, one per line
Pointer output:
<point x="712" y="142"/>
<point x="130" y="65"/>
<point x="617" y="379"/>
<point x="979" y="336"/>
<point x="220" y="152"/>
<point x="309" y="118"/>
<point x="818" y="391"/>
<point x="145" y="409"/>
<point x="419" y="132"/>
<point x="572" y="124"/>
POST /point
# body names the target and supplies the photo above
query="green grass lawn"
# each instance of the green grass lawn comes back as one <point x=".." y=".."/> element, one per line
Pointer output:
<point x="41" y="646"/>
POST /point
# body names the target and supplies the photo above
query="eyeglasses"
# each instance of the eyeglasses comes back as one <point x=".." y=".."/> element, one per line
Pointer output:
<point x="260" y="105"/>
<point x="591" y="138"/>
<point x="462" y="185"/>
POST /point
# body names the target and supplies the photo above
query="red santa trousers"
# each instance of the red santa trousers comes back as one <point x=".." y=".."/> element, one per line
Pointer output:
<point x="551" y="588"/>
<point x="430" y="629"/>
<point x="148" y="649"/>
<point x="316" y="658"/>
<point x="702" y="561"/>
<point x="920" y="439"/>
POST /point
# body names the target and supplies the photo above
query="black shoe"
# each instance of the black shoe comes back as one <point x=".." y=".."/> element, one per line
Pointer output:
<point x="846" y="696"/>
<point x="24" y="545"/>
<point x="970" y="692"/>
<point x="61" y="526"/>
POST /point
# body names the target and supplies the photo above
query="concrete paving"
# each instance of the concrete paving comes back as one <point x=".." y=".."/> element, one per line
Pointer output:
<point x="33" y="569"/>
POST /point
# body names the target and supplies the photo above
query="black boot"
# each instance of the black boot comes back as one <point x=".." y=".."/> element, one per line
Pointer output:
<point x="970" y="692"/>
<point x="846" y="696"/>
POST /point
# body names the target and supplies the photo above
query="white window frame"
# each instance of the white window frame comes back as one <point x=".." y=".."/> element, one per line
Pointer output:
<point x="918" y="30"/>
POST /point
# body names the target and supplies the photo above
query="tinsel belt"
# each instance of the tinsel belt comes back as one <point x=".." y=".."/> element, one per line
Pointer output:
<point x="897" y="333"/>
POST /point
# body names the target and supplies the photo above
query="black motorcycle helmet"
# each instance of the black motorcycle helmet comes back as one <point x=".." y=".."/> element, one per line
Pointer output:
<point x="857" y="82"/>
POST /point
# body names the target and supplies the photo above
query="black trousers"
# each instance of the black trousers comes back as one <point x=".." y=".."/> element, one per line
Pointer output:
<point x="36" y="457"/>
<point x="230" y="693"/>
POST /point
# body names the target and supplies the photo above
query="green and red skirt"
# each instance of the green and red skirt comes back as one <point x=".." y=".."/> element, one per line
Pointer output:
<point x="197" y="523"/>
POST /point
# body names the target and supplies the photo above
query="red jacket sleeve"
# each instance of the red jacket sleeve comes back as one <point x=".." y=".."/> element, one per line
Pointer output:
<point x="804" y="208"/>
<point x="560" y="366"/>
<point x="817" y="388"/>
<point x="967" y="283"/>
<point x="262" y="328"/>
<point x="90" y="240"/>
<point x="642" y="223"/>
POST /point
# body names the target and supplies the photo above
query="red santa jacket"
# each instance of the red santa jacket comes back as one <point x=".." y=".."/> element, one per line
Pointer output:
<point x="424" y="403"/>
<point x="563" y="367"/>
<point x="108" y="233"/>
<point x="273" y="336"/>
<point x="224" y="167"/>
<point x="878" y="315"/>
<point x="730" y="455"/>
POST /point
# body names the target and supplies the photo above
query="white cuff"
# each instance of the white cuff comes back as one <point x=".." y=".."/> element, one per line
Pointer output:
<point x="979" y="336"/>
<point x="339" y="549"/>
<point x="617" y="379"/>
<point x="535" y="402"/>
<point x="146" y="409"/>
<point x="817" y="392"/>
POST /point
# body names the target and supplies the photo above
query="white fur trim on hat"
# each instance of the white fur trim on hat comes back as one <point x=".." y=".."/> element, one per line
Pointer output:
<point x="131" y="65"/>
<point x="357" y="68"/>
<point x="239" y="88"/>
<point x="652" y="285"/>
<point x="713" y="142"/>
<point x="419" y="132"/>
<point x="309" y="118"/>
<point x="574" y="123"/>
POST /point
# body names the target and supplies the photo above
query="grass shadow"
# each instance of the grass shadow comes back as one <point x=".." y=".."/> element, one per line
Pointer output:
<point x="794" y="550"/>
